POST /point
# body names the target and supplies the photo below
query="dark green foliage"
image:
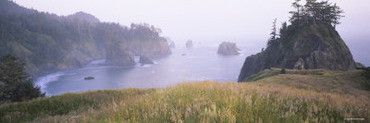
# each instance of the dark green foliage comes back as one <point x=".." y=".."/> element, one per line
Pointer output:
<point x="15" y="84"/>
<point x="314" y="12"/>
<point x="273" y="39"/>
<point x="367" y="72"/>
<point x="47" y="42"/>
<point x="283" y="71"/>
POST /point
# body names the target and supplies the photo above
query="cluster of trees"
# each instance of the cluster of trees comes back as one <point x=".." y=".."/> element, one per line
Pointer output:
<point x="316" y="12"/>
<point x="47" y="42"/>
<point x="15" y="84"/>
<point x="311" y="13"/>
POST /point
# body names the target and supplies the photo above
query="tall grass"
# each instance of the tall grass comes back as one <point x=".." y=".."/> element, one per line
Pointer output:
<point x="231" y="102"/>
<point x="325" y="97"/>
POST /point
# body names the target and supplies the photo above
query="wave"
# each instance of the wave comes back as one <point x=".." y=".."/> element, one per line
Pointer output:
<point x="43" y="81"/>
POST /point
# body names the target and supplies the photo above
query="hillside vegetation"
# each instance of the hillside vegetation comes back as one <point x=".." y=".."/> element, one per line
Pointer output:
<point x="313" y="96"/>
<point x="48" y="43"/>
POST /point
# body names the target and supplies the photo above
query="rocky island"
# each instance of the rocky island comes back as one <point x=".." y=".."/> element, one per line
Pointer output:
<point x="189" y="44"/>
<point x="308" y="43"/>
<point x="228" y="48"/>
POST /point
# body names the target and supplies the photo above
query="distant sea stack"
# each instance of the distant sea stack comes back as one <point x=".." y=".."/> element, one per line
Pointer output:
<point x="228" y="48"/>
<point x="189" y="44"/>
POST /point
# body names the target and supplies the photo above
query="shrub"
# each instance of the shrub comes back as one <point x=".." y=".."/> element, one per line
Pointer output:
<point x="367" y="72"/>
<point x="283" y="71"/>
<point x="15" y="83"/>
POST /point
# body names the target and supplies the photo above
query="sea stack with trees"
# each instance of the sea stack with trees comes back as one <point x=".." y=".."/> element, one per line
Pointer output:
<point x="310" y="41"/>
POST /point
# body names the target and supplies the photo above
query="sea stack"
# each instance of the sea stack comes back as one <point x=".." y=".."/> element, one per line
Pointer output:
<point x="228" y="48"/>
<point x="312" y="46"/>
<point x="189" y="44"/>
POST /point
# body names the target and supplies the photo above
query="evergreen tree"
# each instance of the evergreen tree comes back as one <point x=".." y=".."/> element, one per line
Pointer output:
<point x="273" y="34"/>
<point x="315" y="12"/>
<point x="15" y="84"/>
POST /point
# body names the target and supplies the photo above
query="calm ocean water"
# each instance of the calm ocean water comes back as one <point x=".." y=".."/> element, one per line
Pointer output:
<point x="184" y="65"/>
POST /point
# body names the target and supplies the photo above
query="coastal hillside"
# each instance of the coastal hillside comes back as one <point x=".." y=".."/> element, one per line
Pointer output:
<point x="309" y="42"/>
<point x="48" y="43"/>
<point x="297" y="96"/>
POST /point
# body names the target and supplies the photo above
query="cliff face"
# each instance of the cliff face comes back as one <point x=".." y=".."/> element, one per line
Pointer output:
<point x="310" y="47"/>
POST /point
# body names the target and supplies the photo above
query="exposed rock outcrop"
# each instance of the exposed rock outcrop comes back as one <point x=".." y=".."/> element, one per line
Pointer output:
<point x="189" y="44"/>
<point x="360" y="66"/>
<point x="145" y="60"/>
<point x="309" y="47"/>
<point x="299" y="64"/>
<point x="228" y="48"/>
<point x="89" y="78"/>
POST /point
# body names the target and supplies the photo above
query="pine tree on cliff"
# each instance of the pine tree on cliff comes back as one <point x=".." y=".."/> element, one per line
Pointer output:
<point x="15" y="84"/>
<point x="273" y="35"/>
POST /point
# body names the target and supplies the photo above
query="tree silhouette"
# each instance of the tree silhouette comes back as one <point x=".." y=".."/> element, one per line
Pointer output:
<point x="15" y="84"/>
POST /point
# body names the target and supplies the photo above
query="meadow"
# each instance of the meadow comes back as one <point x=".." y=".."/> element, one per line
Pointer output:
<point x="298" y="96"/>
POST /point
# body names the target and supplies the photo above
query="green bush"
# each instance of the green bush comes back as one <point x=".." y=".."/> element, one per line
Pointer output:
<point x="283" y="71"/>
<point x="15" y="84"/>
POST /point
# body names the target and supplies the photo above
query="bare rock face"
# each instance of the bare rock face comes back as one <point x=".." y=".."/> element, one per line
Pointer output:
<point x="228" y="48"/>
<point x="189" y="44"/>
<point x="299" y="64"/>
<point x="145" y="60"/>
<point x="360" y="66"/>
<point x="310" y="47"/>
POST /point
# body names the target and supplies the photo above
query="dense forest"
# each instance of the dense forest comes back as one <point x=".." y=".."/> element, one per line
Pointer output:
<point x="47" y="42"/>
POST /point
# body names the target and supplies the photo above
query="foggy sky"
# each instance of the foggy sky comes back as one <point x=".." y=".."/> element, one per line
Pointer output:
<point x="213" y="21"/>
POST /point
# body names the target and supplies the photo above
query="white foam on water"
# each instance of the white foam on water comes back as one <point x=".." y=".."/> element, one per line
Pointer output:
<point x="43" y="81"/>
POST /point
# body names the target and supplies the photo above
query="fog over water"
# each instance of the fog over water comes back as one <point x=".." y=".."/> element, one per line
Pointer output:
<point x="184" y="65"/>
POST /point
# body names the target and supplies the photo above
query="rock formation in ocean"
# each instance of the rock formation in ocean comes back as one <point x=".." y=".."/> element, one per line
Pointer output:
<point x="189" y="44"/>
<point x="228" y="48"/>
<point x="316" y="46"/>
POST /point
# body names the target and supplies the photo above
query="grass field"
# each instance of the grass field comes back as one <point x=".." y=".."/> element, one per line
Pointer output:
<point x="298" y="96"/>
